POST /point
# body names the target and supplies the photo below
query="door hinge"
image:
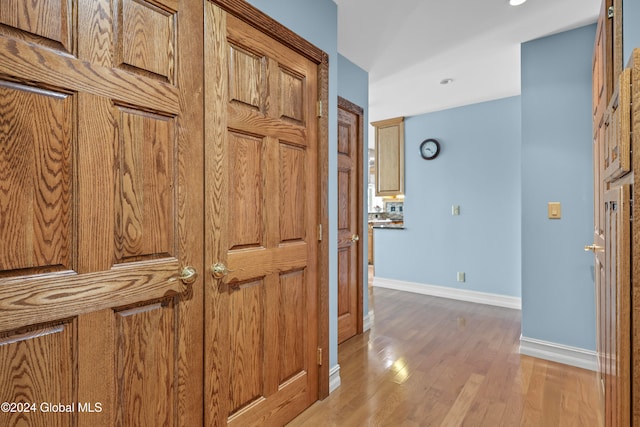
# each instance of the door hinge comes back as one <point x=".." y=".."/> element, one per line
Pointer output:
<point x="319" y="110"/>
<point x="319" y="356"/>
<point x="319" y="232"/>
<point x="610" y="12"/>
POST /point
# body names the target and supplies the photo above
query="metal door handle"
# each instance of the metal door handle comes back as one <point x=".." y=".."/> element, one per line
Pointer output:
<point x="355" y="238"/>
<point x="188" y="275"/>
<point x="219" y="270"/>
<point x="593" y="248"/>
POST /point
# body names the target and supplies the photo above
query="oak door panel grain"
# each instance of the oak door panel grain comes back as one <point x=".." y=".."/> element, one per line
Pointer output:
<point x="246" y="77"/>
<point x="291" y="330"/>
<point x="246" y="191"/>
<point x="38" y="369"/>
<point x="51" y="21"/>
<point x="617" y="157"/>
<point x="145" y="366"/>
<point x="291" y="97"/>
<point x="145" y="182"/>
<point x="261" y="354"/>
<point x="247" y="310"/>
<point x="101" y="201"/>
<point x="292" y="193"/>
<point x="146" y="37"/>
<point x="35" y="179"/>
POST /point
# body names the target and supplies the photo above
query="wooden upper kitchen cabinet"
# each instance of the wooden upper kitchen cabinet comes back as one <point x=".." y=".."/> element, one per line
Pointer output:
<point x="389" y="157"/>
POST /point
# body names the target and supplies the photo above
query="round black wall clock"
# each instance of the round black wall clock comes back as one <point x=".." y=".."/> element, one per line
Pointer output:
<point x="429" y="149"/>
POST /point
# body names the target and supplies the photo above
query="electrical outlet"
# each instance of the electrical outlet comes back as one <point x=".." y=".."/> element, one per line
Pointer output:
<point x="461" y="276"/>
<point x="455" y="210"/>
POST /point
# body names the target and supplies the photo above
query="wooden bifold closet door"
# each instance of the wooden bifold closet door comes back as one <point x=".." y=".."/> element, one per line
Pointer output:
<point x="100" y="212"/>
<point x="350" y="191"/>
<point x="614" y="101"/>
<point x="262" y="205"/>
<point x="150" y="276"/>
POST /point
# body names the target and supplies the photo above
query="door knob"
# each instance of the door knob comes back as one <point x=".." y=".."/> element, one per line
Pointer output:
<point x="355" y="238"/>
<point x="593" y="248"/>
<point x="219" y="270"/>
<point x="188" y="275"/>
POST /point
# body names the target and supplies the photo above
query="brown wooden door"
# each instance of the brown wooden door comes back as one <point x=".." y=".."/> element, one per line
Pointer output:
<point x="602" y="89"/>
<point x="100" y="210"/>
<point x="349" y="220"/>
<point x="262" y="226"/>
<point x="612" y="245"/>
<point x="616" y="303"/>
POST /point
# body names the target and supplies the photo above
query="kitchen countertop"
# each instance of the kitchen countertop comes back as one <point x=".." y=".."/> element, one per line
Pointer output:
<point x="392" y="225"/>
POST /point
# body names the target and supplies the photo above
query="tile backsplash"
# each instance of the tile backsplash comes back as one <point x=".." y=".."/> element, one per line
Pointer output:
<point x="394" y="207"/>
<point x="393" y="211"/>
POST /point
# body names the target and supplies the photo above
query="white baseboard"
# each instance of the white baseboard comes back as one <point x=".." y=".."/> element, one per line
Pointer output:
<point x="367" y="321"/>
<point x="574" y="356"/>
<point x="451" y="293"/>
<point x="334" y="378"/>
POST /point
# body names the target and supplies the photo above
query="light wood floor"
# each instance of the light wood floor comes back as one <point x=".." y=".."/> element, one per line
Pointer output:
<point x="436" y="362"/>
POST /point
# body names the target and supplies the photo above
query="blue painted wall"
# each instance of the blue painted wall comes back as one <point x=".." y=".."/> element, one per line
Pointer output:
<point x="630" y="28"/>
<point x="353" y="85"/>
<point x="479" y="170"/>
<point x="502" y="161"/>
<point x="557" y="275"/>
<point x="317" y="22"/>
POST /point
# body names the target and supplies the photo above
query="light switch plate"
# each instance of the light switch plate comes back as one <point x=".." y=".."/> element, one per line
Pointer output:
<point x="555" y="210"/>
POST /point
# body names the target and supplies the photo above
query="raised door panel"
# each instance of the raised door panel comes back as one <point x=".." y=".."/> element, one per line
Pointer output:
<point x="146" y="369"/>
<point x="38" y="372"/>
<point x="246" y="191"/>
<point x="145" y="186"/>
<point x="36" y="180"/>
<point x="291" y="99"/>
<point x="346" y="297"/>
<point x="597" y="71"/>
<point x="50" y="22"/>
<point x="262" y="305"/>
<point x="617" y="155"/>
<point x="246" y="77"/>
<point x="246" y="346"/>
<point x="99" y="166"/>
<point x="292" y="191"/>
<point x="146" y="37"/>
<point x="292" y="326"/>
<point x="602" y="57"/>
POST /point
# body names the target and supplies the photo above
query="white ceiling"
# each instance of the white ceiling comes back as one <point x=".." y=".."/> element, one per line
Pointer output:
<point x="409" y="46"/>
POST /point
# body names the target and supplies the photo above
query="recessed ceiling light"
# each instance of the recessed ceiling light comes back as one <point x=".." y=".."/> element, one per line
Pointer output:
<point x="446" y="81"/>
<point x="516" y="2"/>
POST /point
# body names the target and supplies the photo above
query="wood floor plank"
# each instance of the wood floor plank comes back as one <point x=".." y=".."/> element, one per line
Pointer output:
<point x="430" y="361"/>
<point x="461" y="406"/>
